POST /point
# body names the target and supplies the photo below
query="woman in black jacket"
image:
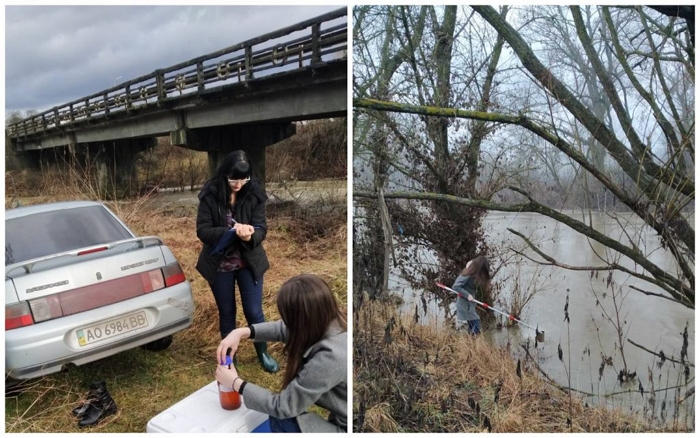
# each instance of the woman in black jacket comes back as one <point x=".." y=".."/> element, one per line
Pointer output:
<point x="231" y="224"/>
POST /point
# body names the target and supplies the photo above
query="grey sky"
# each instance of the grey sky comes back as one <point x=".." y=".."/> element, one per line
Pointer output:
<point x="55" y="54"/>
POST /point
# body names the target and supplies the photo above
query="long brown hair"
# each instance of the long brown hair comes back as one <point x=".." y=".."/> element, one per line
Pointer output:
<point x="479" y="271"/>
<point x="307" y="307"/>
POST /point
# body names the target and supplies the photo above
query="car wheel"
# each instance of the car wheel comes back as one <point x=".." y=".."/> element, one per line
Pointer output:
<point x="158" y="344"/>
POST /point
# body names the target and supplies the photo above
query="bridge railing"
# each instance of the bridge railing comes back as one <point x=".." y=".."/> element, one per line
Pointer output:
<point x="309" y="43"/>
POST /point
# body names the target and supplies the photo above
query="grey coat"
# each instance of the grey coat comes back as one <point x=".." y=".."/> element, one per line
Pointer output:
<point x="322" y="380"/>
<point x="466" y="310"/>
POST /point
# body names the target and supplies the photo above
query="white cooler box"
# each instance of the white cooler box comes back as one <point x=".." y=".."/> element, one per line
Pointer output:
<point x="202" y="412"/>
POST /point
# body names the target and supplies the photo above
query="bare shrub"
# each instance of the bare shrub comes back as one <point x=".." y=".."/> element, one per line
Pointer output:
<point x="523" y="291"/>
<point x="318" y="150"/>
<point x="171" y="166"/>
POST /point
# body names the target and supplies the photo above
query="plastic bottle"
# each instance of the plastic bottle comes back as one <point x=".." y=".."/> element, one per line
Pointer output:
<point x="229" y="398"/>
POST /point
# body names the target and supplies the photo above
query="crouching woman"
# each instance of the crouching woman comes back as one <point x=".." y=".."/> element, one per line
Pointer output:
<point x="314" y="331"/>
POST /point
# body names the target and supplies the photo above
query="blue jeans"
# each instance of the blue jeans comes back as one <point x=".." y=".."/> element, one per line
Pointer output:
<point x="288" y="425"/>
<point x="474" y="326"/>
<point x="225" y="297"/>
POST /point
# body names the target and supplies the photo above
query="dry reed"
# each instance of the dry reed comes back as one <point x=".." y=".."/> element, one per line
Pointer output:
<point x="425" y="379"/>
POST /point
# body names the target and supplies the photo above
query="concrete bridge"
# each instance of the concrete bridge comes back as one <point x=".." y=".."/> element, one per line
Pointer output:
<point x="245" y="96"/>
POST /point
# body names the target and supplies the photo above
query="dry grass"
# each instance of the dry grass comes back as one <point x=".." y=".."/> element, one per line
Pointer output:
<point x="317" y="150"/>
<point x="146" y="383"/>
<point x="420" y="378"/>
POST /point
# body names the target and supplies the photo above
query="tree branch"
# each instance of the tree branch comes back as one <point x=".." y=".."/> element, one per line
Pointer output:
<point x="660" y="73"/>
<point x="552" y="381"/>
<point x="680" y="290"/>
<point x="687" y="12"/>
<point x="402" y="138"/>
<point x="669" y="358"/>
<point x="610" y="266"/>
<point x="622" y="59"/>
<point x="565" y="388"/>
<point x="639" y="149"/>
<point x="651" y="55"/>
<point x="653" y="294"/>
<point x="597" y="128"/>
<point x="639" y="208"/>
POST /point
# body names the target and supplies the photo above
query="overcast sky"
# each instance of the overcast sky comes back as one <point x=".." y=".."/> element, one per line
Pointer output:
<point x="55" y="54"/>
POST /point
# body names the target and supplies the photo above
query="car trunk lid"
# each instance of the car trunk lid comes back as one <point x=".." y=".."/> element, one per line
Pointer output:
<point x="59" y="286"/>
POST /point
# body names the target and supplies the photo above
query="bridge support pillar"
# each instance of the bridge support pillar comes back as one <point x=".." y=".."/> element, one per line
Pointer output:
<point x="18" y="160"/>
<point x="112" y="164"/>
<point x="221" y="140"/>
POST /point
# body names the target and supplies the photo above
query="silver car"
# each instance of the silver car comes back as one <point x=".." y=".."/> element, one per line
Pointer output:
<point x="81" y="286"/>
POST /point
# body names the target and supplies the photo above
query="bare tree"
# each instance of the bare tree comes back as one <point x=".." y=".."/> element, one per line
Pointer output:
<point x="428" y="67"/>
<point x="635" y="64"/>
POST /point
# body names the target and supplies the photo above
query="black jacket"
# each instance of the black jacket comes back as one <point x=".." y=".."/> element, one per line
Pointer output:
<point x="211" y="225"/>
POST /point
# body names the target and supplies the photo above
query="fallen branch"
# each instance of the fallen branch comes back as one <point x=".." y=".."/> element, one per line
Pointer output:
<point x="552" y="381"/>
<point x="689" y="393"/>
<point x="551" y="261"/>
<point x="637" y="390"/>
<point x="566" y="388"/>
<point x="653" y="294"/>
<point x="669" y="358"/>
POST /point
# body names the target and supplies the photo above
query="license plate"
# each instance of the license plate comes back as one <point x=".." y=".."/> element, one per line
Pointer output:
<point x="111" y="328"/>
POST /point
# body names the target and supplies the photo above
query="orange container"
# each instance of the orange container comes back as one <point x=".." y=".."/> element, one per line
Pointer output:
<point x="229" y="399"/>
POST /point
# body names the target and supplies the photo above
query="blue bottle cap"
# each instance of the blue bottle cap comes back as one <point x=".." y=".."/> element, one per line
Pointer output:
<point x="229" y="361"/>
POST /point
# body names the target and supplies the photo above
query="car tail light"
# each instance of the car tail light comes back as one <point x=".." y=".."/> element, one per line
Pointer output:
<point x="152" y="280"/>
<point x="173" y="274"/>
<point x="17" y="315"/>
<point x="44" y="308"/>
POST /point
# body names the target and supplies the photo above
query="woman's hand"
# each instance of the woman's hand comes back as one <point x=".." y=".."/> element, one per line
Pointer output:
<point x="470" y="297"/>
<point x="231" y="341"/>
<point x="226" y="376"/>
<point x="244" y="232"/>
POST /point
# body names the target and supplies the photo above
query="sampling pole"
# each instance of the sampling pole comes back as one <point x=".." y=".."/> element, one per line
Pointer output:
<point x="486" y="306"/>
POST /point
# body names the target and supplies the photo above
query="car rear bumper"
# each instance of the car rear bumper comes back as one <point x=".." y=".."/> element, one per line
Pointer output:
<point x="45" y="347"/>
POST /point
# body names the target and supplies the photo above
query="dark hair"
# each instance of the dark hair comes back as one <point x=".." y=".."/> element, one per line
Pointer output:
<point x="307" y="307"/>
<point x="479" y="270"/>
<point x="235" y="165"/>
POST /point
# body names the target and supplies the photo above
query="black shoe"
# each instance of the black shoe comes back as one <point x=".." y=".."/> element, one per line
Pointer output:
<point x="101" y="406"/>
<point x="268" y="363"/>
<point x="96" y="389"/>
<point x="96" y="412"/>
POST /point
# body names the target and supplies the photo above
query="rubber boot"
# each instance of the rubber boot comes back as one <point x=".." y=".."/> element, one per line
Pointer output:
<point x="96" y="388"/>
<point x="98" y="408"/>
<point x="268" y="363"/>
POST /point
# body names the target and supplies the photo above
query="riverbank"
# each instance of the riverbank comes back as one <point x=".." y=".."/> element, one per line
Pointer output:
<point x="418" y="378"/>
<point x="596" y="345"/>
<point x="144" y="383"/>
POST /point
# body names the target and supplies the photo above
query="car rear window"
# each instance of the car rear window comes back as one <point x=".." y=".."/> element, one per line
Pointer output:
<point x="52" y="232"/>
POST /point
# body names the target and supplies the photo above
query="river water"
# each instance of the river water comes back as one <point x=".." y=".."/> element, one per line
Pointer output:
<point x="304" y="193"/>
<point x="655" y="323"/>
